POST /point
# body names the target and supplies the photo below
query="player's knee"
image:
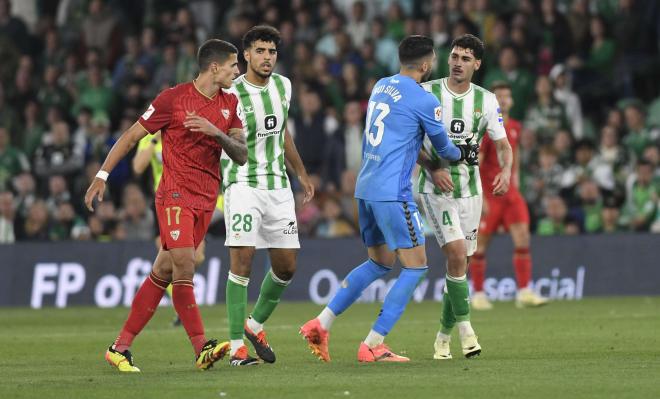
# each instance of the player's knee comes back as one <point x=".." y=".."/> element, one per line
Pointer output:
<point x="285" y="274"/>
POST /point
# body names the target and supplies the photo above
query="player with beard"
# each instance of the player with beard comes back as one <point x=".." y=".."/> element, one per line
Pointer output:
<point x="400" y="114"/>
<point x="259" y="205"/>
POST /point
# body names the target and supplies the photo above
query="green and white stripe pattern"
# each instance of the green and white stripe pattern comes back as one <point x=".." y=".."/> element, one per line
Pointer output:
<point x="466" y="116"/>
<point x="264" y="112"/>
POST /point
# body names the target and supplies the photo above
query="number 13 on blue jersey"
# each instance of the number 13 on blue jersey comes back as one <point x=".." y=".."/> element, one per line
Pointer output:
<point x="377" y="122"/>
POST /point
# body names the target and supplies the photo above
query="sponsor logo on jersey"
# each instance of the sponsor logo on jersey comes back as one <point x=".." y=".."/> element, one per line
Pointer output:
<point x="270" y="121"/>
<point x="457" y="126"/>
<point x="175" y="234"/>
<point x="148" y="112"/>
<point x="437" y="112"/>
<point x="291" y="228"/>
<point x="499" y="116"/>
<point x="225" y="113"/>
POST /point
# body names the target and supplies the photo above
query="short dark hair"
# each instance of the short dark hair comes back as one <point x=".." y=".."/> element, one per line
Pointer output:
<point x="265" y="33"/>
<point x="414" y="47"/>
<point x="499" y="84"/>
<point x="214" y="50"/>
<point x="469" y="41"/>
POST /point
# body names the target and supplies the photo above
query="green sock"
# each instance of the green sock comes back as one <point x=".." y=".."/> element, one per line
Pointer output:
<point x="236" y="304"/>
<point x="459" y="292"/>
<point x="448" y="319"/>
<point x="269" y="296"/>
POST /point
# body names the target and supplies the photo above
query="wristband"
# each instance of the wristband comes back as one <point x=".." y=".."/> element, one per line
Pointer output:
<point x="103" y="175"/>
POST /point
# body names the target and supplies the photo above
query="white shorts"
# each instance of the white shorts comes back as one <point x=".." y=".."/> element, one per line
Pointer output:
<point x="260" y="218"/>
<point x="453" y="219"/>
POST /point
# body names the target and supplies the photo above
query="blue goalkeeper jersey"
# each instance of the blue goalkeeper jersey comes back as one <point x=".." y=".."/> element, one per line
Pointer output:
<point x="400" y="112"/>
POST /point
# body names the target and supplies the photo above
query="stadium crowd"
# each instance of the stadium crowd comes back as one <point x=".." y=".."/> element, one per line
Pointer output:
<point x="76" y="73"/>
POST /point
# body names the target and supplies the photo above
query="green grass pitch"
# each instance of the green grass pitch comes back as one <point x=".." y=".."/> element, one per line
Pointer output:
<point x="595" y="348"/>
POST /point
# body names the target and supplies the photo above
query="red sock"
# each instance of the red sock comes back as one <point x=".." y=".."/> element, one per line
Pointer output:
<point x="143" y="308"/>
<point x="478" y="271"/>
<point x="522" y="266"/>
<point x="183" y="297"/>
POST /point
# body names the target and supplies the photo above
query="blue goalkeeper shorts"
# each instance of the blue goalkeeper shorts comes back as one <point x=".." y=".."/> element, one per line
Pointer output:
<point x="397" y="224"/>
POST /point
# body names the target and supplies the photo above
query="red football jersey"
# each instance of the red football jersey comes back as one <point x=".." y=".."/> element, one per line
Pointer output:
<point x="191" y="160"/>
<point x="490" y="167"/>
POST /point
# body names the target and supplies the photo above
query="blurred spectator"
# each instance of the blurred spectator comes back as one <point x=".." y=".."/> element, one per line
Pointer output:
<point x="588" y="210"/>
<point x="26" y="193"/>
<point x="50" y="93"/>
<point x="353" y="129"/>
<point x="12" y="161"/>
<point x="610" y="215"/>
<point x="546" y="115"/>
<point x="546" y="181"/>
<point x="521" y="80"/>
<point x="33" y="129"/>
<point x="387" y="50"/>
<point x="638" y="135"/>
<point x="7" y="217"/>
<point x="186" y="66"/>
<point x="358" y="27"/>
<point x="311" y="131"/>
<point x="56" y="155"/>
<point x="137" y="219"/>
<point x="64" y="222"/>
<point x="94" y="93"/>
<point x="101" y="30"/>
<point x="567" y="97"/>
<point x="58" y="194"/>
<point x="333" y="224"/>
<point x="13" y="29"/>
<point x="8" y="117"/>
<point x="165" y="75"/>
<point x="36" y="224"/>
<point x="556" y="221"/>
<point x="641" y="198"/>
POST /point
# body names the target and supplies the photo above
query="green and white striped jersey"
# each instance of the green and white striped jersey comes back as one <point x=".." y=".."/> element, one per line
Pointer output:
<point x="466" y="116"/>
<point x="264" y="112"/>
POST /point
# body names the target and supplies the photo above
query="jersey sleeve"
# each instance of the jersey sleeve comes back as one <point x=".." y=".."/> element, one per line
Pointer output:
<point x="429" y="112"/>
<point x="494" y="120"/>
<point x="159" y="113"/>
<point x="236" y="122"/>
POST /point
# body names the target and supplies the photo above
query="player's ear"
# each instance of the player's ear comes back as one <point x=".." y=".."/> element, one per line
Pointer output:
<point x="246" y="55"/>
<point x="477" y="65"/>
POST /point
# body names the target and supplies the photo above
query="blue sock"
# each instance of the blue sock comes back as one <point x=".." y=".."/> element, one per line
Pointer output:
<point x="353" y="285"/>
<point x="397" y="299"/>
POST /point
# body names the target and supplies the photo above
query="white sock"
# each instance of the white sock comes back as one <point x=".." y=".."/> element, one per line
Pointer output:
<point x="443" y="337"/>
<point x="235" y="345"/>
<point x="374" y="339"/>
<point x="254" y="325"/>
<point x="464" y="328"/>
<point x="326" y="317"/>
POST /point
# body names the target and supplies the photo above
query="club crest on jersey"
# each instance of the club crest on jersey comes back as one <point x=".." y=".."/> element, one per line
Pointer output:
<point x="175" y="234"/>
<point x="437" y="112"/>
<point x="225" y="113"/>
<point x="477" y="113"/>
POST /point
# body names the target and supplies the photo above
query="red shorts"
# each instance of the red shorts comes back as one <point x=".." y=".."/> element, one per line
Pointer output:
<point x="504" y="211"/>
<point x="182" y="227"/>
